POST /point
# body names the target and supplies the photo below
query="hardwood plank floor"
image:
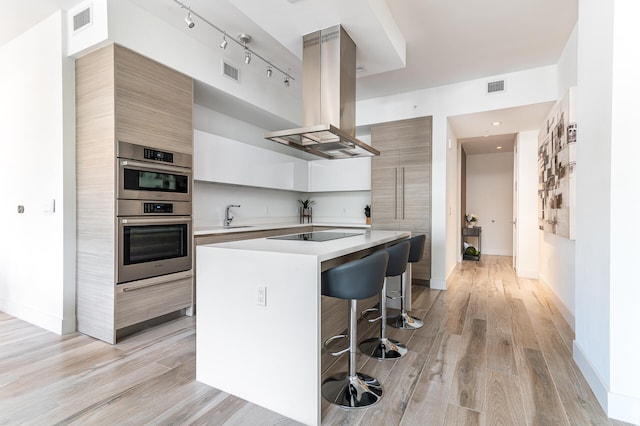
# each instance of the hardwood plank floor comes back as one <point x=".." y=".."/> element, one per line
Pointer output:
<point x="493" y="351"/>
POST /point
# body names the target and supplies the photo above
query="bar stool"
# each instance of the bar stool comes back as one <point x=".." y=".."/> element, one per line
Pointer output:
<point x="359" y="279"/>
<point x="382" y="347"/>
<point x="404" y="320"/>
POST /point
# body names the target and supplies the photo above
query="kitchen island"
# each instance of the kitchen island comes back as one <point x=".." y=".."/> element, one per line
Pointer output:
<point x="259" y="316"/>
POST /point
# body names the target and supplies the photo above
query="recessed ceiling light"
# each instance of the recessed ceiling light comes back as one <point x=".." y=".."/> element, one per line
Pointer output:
<point x="496" y="123"/>
<point x="498" y="147"/>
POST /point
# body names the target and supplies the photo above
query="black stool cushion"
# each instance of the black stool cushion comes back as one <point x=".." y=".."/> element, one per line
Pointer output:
<point x="358" y="279"/>
<point x="398" y="257"/>
<point x="417" y="248"/>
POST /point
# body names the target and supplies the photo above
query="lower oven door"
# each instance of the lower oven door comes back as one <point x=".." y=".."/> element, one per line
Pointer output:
<point x="150" y="247"/>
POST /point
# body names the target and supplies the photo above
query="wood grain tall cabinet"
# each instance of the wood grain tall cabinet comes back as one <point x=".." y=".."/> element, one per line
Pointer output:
<point x="120" y="95"/>
<point x="401" y="183"/>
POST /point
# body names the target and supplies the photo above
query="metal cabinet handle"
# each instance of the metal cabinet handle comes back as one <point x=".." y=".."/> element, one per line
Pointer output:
<point x="403" y="193"/>
<point x="395" y="193"/>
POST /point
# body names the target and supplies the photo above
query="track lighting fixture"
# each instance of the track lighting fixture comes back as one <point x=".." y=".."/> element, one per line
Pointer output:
<point x="242" y="40"/>
<point x="189" y="20"/>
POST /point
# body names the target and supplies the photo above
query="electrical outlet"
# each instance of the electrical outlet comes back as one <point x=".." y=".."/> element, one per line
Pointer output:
<point x="262" y="295"/>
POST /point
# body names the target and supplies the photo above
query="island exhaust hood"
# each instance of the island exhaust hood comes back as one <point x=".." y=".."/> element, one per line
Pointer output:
<point x="328" y="99"/>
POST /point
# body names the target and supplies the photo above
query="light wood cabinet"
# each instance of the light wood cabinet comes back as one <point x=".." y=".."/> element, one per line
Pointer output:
<point x="401" y="182"/>
<point x="121" y="95"/>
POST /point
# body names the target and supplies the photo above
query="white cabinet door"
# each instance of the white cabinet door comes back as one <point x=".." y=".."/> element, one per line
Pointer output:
<point x="352" y="174"/>
<point x="223" y="160"/>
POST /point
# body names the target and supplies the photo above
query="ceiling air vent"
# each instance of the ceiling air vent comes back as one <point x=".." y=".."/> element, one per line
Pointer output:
<point x="230" y="71"/>
<point x="82" y="19"/>
<point x="495" y="86"/>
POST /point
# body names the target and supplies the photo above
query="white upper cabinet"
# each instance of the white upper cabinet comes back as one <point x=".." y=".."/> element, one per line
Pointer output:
<point x="353" y="174"/>
<point x="223" y="160"/>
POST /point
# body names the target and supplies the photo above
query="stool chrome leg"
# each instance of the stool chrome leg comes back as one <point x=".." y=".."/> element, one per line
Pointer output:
<point x="404" y="321"/>
<point x="382" y="347"/>
<point x="352" y="389"/>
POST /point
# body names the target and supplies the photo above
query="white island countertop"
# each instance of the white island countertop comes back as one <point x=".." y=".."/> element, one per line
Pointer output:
<point x="259" y="316"/>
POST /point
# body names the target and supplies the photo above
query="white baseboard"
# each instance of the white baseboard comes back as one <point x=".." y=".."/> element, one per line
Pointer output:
<point x="617" y="406"/>
<point x="598" y="386"/>
<point x="564" y="310"/>
<point x="625" y="408"/>
<point x="40" y="319"/>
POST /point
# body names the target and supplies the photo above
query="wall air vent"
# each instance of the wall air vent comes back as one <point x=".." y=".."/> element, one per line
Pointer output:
<point x="82" y="19"/>
<point x="230" y="71"/>
<point x="495" y="86"/>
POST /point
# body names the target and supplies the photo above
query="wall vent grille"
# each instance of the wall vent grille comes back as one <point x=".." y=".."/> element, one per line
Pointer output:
<point x="495" y="86"/>
<point x="230" y="71"/>
<point x="82" y="19"/>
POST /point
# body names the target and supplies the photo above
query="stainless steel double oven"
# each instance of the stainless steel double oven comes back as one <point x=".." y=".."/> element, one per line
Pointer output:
<point x="153" y="212"/>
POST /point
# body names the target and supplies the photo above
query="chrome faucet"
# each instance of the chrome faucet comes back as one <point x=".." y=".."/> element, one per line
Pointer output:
<point x="227" y="218"/>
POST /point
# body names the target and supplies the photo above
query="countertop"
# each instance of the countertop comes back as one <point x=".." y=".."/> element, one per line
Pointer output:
<point x="323" y="251"/>
<point x="208" y="230"/>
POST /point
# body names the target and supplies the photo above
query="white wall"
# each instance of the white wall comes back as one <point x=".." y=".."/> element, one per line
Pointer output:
<point x="37" y="254"/>
<point x="556" y="265"/>
<point x="453" y="245"/>
<point x="524" y="88"/>
<point x="624" y="400"/>
<point x="527" y="204"/>
<point x="607" y="293"/>
<point x="490" y="196"/>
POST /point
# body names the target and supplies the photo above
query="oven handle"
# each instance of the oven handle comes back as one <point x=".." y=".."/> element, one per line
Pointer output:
<point x="159" y="220"/>
<point x="153" y="282"/>
<point x="160" y="167"/>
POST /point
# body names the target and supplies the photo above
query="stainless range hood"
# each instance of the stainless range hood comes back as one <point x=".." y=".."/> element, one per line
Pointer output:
<point x="328" y="99"/>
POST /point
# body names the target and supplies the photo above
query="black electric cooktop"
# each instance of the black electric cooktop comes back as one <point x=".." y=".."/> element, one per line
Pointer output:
<point x="315" y="236"/>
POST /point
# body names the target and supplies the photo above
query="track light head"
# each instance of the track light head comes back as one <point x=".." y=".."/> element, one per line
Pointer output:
<point x="224" y="43"/>
<point x="189" y="21"/>
<point x="286" y="81"/>
<point x="269" y="71"/>
<point x="247" y="57"/>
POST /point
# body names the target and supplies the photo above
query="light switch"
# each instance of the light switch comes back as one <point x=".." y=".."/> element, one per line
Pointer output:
<point x="262" y="295"/>
<point x="50" y="206"/>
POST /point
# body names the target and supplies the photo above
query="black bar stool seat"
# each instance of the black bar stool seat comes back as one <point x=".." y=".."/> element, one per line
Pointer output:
<point x="405" y="321"/>
<point x="383" y="347"/>
<point x="359" y="279"/>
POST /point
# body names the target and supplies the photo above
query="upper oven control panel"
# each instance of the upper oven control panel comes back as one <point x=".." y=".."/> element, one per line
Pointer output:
<point x="152" y="154"/>
<point x="132" y="151"/>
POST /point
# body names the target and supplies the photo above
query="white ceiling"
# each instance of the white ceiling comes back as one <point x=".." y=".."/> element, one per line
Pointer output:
<point x="402" y="45"/>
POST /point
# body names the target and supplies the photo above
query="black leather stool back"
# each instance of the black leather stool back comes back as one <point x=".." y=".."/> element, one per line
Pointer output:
<point x="359" y="279"/>
<point x="398" y="257"/>
<point x="417" y="248"/>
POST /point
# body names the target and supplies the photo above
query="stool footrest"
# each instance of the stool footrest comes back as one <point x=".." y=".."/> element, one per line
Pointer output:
<point x="394" y="292"/>
<point x="330" y="340"/>
<point x="364" y="313"/>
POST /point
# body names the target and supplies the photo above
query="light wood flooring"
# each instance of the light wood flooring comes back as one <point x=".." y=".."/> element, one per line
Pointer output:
<point x="494" y="351"/>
